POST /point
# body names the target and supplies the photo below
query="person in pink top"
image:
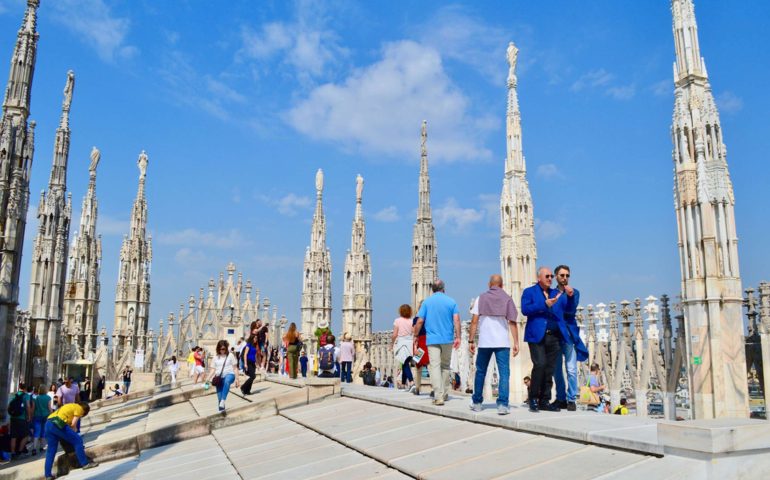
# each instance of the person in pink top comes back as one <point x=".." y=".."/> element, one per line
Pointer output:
<point x="403" y="343"/>
<point x="347" y="355"/>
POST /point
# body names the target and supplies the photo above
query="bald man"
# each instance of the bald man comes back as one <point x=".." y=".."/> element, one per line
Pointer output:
<point x="494" y="314"/>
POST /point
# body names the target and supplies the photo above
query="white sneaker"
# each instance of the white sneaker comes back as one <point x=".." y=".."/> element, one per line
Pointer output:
<point x="221" y="404"/>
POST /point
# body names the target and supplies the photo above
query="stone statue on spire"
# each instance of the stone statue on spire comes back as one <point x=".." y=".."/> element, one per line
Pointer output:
<point x="319" y="181"/>
<point x="142" y="163"/>
<point x="96" y="155"/>
<point x="359" y="187"/>
<point x="68" y="87"/>
<point x="512" y="53"/>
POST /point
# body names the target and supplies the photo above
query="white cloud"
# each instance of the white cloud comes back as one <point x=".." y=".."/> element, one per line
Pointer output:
<point x="305" y="44"/>
<point x="594" y="78"/>
<point x="95" y="24"/>
<point x="194" y="237"/>
<point x="289" y="204"/>
<point x="189" y="87"/>
<point x="548" y="171"/>
<point x="108" y="225"/>
<point x="457" y="217"/>
<point x="623" y="92"/>
<point x="379" y="108"/>
<point x="188" y="256"/>
<point x="490" y="205"/>
<point x="461" y="37"/>
<point x="387" y="214"/>
<point x="662" y="88"/>
<point x="549" y="229"/>
<point x="728" y="102"/>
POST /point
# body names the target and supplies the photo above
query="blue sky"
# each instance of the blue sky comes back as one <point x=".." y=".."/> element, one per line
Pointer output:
<point x="237" y="106"/>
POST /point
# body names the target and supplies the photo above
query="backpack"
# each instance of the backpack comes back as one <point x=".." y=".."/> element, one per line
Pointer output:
<point x="322" y="340"/>
<point x="326" y="359"/>
<point x="16" y="407"/>
<point x="369" y="378"/>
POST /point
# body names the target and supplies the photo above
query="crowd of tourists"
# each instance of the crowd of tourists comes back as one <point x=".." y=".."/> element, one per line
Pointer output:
<point x="551" y="333"/>
<point x="42" y="417"/>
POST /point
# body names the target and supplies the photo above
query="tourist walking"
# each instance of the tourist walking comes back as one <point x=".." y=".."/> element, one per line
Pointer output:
<point x="441" y="318"/>
<point x="572" y="348"/>
<point x="60" y="428"/>
<point x="303" y="364"/>
<point x="223" y="371"/>
<point x="20" y="413"/>
<point x="326" y="358"/>
<point x="403" y="344"/>
<point x="249" y="353"/>
<point x="494" y="316"/>
<point x="68" y="392"/>
<point x="420" y="355"/>
<point x="52" y="394"/>
<point x="191" y="362"/>
<point x="293" y="341"/>
<point x="260" y="331"/>
<point x="596" y="386"/>
<point x="544" y="331"/>
<point x="200" y="364"/>
<point x="347" y="357"/>
<point x="85" y="392"/>
<point x="127" y="372"/>
<point x="41" y="408"/>
<point x="173" y="367"/>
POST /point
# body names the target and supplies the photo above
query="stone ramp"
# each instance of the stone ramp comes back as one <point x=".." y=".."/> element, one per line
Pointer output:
<point x="429" y="446"/>
<point x="270" y="448"/>
<point x="117" y="436"/>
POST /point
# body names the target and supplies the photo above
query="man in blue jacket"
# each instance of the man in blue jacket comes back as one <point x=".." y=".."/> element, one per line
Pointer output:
<point x="572" y="346"/>
<point x="544" y="332"/>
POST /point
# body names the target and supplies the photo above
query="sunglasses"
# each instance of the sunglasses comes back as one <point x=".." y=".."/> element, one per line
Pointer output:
<point x="549" y="276"/>
<point x="564" y="275"/>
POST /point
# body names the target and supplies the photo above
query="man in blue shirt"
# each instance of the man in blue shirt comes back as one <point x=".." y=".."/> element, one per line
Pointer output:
<point x="441" y="318"/>
<point x="545" y="329"/>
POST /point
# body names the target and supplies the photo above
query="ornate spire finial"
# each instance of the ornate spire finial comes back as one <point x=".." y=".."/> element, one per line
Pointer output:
<point x="512" y="53"/>
<point x="142" y="163"/>
<point x="359" y="188"/>
<point x="96" y="155"/>
<point x="319" y="182"/>
<point x="424" y="139"/>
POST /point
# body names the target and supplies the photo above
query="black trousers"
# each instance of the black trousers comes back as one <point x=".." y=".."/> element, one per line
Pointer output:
<point x="251" y="372"/>
<point x="543" y="356"/>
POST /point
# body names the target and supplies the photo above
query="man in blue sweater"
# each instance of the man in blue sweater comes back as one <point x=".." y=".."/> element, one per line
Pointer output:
<point x="544" y="332"/>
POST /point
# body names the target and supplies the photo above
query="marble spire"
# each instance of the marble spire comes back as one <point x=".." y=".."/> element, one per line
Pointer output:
<point x="132" y="295"/>
<point x="82" y="292"/>
<point x="17" y="148"/>
<point x="316" y="309"/>
<point x="518" y="250"/>
<point x="357" y="289"/>
<point x="49" y="255"/>
<point x="708" y="244"/>
<point x="424" y="249"/>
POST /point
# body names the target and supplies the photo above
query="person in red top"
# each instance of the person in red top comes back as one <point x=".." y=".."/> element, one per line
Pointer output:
<point x="200" y="366"/>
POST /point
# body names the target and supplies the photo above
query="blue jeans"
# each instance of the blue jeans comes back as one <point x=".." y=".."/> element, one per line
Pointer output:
<point x="569" y="391"/>
<point x="406" y="372"/>
<point x="53" y="435"/>
<point x="503" y="358"/>
<point x="347" y="372"/>
<point x="38" y="426"/>
<point x="126" y="386"/>
<point x="224" y="388"/>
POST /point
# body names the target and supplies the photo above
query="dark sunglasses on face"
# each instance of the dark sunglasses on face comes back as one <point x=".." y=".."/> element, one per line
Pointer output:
<point x="564" y="275"/>
<point x="549" y="276"/>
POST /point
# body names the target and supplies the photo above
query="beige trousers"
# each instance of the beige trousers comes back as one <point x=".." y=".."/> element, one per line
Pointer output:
<point x="440" y="369"/>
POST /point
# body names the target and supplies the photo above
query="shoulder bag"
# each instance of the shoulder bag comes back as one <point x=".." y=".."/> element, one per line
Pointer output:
<point x="217" y="380"/>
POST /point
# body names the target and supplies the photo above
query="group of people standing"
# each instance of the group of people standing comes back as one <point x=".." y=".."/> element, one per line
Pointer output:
<point x="551" y="333"/>
<point x="47" y="417"/>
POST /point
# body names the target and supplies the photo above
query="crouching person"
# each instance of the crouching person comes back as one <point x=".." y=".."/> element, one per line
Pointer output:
<point x="60" y="428"/>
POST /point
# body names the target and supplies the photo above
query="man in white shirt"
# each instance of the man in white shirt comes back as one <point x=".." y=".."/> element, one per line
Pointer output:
<point x="494" y="315"/>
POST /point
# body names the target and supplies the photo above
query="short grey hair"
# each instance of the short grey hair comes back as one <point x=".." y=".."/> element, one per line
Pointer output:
<point x="541" y="268"/>
<point x="437" y="285"/>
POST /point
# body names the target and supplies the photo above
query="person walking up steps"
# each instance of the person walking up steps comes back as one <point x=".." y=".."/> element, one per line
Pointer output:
<point x="494" y="314"/>
<point x="249" y="353"/>
<point x="441" y="318"/>
<point x="223" y="372"/>
<point x="293" y="341"/>
<point x="403" y="344"/>
<point x="60" y="428"/>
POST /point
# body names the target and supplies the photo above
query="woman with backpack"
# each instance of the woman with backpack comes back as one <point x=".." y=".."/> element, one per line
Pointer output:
<point x="293" y="341"/>
<point x="223" y="372"/>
